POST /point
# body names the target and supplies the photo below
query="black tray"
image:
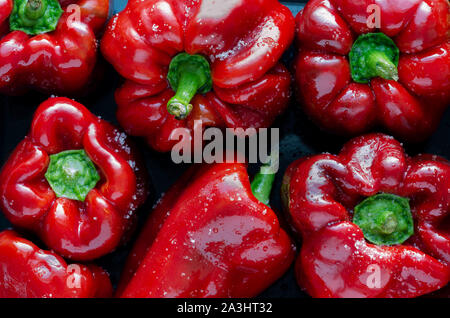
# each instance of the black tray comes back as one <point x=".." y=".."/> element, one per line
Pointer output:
<point x="298" y="137"/>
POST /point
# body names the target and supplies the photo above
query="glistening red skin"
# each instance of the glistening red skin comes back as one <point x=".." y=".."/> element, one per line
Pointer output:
<point x="26" y="271"/>
<point x="208" y="237"/>
<point x="410" y="108"/>
<point x="250" y="88"/>
<point x="320" y="192"/>
<point x="59" y="62"/>
<point x="75" y="229"/>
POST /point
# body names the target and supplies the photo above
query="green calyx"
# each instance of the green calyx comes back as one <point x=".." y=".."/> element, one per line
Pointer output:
<point x="71" y="174"/>
<point x="188" y="75"/>
<point x="385" y="219"/>
<point x="374" y="55"/>
<point x="35" y="16"/>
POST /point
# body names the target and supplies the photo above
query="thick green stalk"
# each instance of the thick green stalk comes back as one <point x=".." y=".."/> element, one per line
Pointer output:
<point x="35" y="16"/>
<point x="374" y="55"/>
<point x="262" y="184"/>
<point x="188" y="75"/>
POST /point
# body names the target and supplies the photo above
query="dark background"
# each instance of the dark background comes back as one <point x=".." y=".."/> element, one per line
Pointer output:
<point x="298" y="137"/>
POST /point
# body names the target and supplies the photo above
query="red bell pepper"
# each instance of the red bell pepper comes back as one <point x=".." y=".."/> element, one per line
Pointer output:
<point x="370" y="192"/>
<point x="48" y="45"/>
<point x="352" y="76"/>
<point x="75" y="180"/>
<point x="209" y="236"/>
<point x="29" y="272"/>
<point x="222" y="64"/>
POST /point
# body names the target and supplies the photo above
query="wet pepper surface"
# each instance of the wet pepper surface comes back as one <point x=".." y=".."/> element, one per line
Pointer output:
<point x="299" y="137"/>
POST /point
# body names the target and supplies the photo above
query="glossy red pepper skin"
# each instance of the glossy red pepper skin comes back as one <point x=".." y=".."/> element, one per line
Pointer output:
<point x="410" y="108"/>
<point x="250" y="88"/>
<point x="320" y="192"/>
<point x="74" y="229"/>
<point x="59" y="62"/>
<point x="208" y="237"/>
<point x="26" y="271"/>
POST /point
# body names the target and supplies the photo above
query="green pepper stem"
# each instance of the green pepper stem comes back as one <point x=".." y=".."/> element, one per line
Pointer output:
<point x="35" y="16"/>
<point x="262" y="184"/>
<point x="188" y="75"/>
<point x="385" y="219"/>
<point x="180" y="105"/>
<point x="71" y="174"/>
<point x="388" y="223"/>
<point x="382" y="66"/>
<point x="35" y="9"/>
<point x="374" y="55"/>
